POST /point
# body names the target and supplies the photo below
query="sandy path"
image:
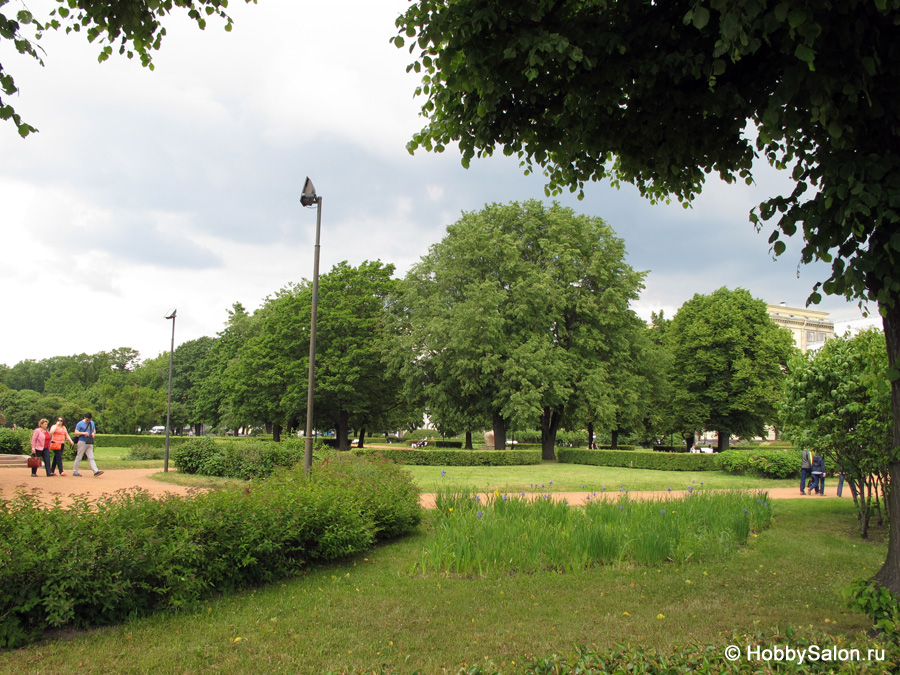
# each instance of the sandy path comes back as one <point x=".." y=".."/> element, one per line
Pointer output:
<point x="119" y="479"/>
<point x="66" y="486"/>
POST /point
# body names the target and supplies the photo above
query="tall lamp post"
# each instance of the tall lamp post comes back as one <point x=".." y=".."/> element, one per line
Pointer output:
<point x="169" y="402"/>
<point x="309" y="198"/>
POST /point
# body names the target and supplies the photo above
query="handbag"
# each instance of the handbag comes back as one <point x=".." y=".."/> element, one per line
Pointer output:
<point x="56" y="445"/>
<point x="34" y="462"/>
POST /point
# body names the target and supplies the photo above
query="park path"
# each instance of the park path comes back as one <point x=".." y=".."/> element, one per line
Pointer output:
<point x="65" y="487"/>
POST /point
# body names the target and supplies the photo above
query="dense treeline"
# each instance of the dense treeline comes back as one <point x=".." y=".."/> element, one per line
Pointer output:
<point x="519" y="319"/>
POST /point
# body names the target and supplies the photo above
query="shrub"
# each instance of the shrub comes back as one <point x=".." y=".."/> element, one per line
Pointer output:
<point x="143" y="451"/>
<point x="873" y="599"/>
<point x="765" y="463"/>
<point x="15" y="442"/>
<point x="639" y="459"/>
<point x="129" y="554"/>
<point x="450" y="457"/>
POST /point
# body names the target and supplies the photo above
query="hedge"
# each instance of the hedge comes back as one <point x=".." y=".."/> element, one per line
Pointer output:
<point x="639" y="459"/>
<point x="450" y="457"/>
<point x="129" y="555"/>
<point x="766" y="463"/>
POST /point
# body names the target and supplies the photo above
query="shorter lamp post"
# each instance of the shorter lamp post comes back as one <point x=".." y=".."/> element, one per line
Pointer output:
<point x="169" y="402"/>
<point x="309" y="198"/>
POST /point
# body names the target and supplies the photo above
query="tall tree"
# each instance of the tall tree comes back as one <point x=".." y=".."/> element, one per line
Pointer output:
<point x="837" y="402"/>
<point x="519" y="313"/>
<point x="660" y="94"/>
<point x="133" y="26"/>
<point x="728" y="364"/>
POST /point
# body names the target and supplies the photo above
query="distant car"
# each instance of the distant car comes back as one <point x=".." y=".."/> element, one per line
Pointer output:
<point x="158" y="430"/>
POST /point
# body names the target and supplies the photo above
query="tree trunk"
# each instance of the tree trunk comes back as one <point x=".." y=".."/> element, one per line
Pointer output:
<point x="689" y="441"/>
<point x="276" y="433"/>
<point x="724" y="441"/>
<point x="615" y="439"/>
<point x="343" y="427"/>
<point x="889" y="574"/>
<point x="549" y="427"/>
<point x="469" y="440"/>
<point x="499" y="432"/>
<point x="362" y="437"/>
<point x="590" y="434"/>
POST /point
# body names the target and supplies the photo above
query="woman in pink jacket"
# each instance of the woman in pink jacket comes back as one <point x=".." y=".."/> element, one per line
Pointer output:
<point x="40" y="445"/>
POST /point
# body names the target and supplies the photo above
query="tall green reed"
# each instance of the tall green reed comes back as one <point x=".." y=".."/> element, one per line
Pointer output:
<point x="489" y="535"/>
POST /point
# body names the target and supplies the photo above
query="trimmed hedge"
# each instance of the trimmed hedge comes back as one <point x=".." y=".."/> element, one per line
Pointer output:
<point x="766" y="463"/>
<point x="128" y="440"/>
<point x="449" y="457"/>
<point x="129" y="555"/>
<point x="639" y="459"/>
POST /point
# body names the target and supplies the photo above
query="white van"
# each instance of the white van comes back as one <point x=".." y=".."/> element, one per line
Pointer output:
<point x="158" y="429"/>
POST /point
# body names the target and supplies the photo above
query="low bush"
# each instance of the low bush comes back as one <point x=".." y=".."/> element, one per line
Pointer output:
<point x="450" y="457"/>
<point x="765" y="463"/>
<point x="639" y="459"/>
<point x="876" y="601"/>
<point x="245" y="459"/>
<point x="127" y="555"/>
<point x="143" y="451"/>
<point x="15" y="441"/>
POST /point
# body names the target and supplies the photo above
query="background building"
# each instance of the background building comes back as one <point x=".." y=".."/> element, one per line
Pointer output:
<point x="809" y="327"/>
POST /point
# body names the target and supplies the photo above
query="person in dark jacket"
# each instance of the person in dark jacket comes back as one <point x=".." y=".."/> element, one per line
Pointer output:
<point x="818" y="473"/>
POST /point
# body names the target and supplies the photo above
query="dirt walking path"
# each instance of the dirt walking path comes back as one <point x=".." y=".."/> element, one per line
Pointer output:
<point x="113" y="480"/>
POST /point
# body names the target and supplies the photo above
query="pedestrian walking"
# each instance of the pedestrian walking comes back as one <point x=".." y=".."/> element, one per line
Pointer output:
<point x="58" y="437"/>
<point x="84" y="432"/>
<point x="40" y="446"/>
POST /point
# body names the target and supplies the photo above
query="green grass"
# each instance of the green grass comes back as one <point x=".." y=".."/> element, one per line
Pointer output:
<point x="369" y="612"/>
<point x="555" y="477"/>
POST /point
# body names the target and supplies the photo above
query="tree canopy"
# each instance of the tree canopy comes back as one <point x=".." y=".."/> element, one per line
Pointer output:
<point x="728" y="358"/>
<point x="660" y="94"/>
<point x="132" y="27"/>
<point x="518" y="314"/>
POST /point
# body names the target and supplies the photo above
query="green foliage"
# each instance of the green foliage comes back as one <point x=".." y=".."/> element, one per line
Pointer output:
<point x="130" y="554"/>
<point x="764" y="463"/>
<point x="518" y="313"/>
<point x="837" y="402"/>
<point x="728" y="360"/>
<point x="16" y="442"/>
<point x="640" y="459"/>
<point x="446" y="457"/>
<point x="244" y="458"/>
<point x="497" y="535"/>
<point x="144" y="451"/>
<point x="877" y="602"/>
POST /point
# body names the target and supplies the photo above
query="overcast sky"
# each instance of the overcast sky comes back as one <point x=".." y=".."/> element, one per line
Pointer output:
<point x="179" y="188"/>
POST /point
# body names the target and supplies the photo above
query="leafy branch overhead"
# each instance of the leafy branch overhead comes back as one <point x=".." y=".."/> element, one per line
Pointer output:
<point x="134" y="26"/>
<point x="662" y="94"/>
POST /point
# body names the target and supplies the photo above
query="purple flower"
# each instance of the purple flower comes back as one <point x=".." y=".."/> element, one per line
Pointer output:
<point x="621" y="506"/>
<point x="443" y="473"/>
<point x="477" y="498"/>
<point x="479" y="514"/>
<point x="746" y="511"/>
<point x="669" y="489"/>
<point x="662" y="512"/>
<point x="582" y="487"/>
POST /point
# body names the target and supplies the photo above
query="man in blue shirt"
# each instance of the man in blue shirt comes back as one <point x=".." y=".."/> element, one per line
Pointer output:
<point x="84" y="432"/>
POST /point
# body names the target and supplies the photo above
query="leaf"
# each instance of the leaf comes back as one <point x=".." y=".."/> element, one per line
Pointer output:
<point x="700" y="18"/>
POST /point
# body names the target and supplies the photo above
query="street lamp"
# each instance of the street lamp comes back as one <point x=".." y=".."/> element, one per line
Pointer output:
<point x="171" y="315"/>
<point x="308" y="198"/>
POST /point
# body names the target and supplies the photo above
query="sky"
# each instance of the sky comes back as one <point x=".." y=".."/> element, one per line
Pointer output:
<point x="146" y="191"/>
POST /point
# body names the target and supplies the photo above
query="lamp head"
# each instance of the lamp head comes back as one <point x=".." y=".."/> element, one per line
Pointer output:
<point x="309" y="197"/>
<point x="171" y="315"/>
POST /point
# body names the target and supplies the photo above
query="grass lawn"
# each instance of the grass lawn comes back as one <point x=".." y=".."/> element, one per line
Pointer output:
<point x="555" y="477"/>
<point x="111" y="458"/>
<point x="369" y="613"/>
